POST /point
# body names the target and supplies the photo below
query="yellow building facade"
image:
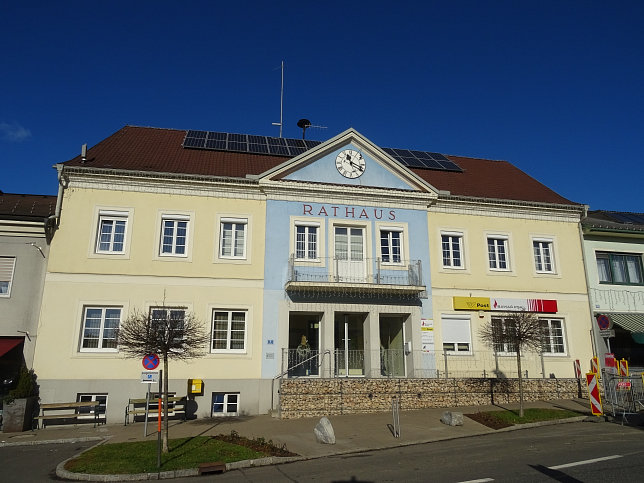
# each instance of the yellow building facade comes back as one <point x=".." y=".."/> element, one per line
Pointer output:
<point x="511" y="257"/>
<point x="87" y="284"/>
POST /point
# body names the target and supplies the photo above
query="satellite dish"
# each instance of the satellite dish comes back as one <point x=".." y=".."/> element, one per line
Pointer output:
<point x="303" y="124"/>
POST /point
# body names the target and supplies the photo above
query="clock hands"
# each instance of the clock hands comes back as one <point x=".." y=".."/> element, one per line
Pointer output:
<point x="357" y="166"/>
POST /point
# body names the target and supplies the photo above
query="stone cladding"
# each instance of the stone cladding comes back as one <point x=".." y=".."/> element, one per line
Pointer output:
<point x="324" y="397"/>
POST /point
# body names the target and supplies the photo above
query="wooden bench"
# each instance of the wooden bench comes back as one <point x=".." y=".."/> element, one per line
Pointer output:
<point x="46" y="410"/>
<point x="136" y="407"/>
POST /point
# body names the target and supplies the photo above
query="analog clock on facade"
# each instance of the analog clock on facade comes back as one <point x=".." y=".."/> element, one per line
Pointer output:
<point x="350" y="163"/>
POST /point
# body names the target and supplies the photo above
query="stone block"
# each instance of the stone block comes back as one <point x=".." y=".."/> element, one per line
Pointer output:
<point x="324" y="432"/>
<point x="452" y="418"/>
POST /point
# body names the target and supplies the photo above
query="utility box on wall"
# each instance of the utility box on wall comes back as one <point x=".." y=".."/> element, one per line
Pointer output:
<point x="195" y="387"/>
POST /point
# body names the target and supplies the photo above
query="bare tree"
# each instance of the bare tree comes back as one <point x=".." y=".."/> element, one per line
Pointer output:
<point x="518" y="332"/>
<point x="170" y="332"/>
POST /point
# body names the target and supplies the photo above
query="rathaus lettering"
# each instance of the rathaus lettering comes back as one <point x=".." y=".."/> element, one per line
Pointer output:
<point x="349" y="212"/>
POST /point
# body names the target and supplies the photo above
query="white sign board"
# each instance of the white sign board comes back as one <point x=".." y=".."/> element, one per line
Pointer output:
<point x="427" y="335"/>
<point x="148" y="377"/>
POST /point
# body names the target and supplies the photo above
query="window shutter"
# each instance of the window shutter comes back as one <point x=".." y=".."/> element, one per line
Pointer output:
<point x="6" y="268"/>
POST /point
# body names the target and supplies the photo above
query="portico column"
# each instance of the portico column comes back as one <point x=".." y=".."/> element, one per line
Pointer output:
<point x="372" y="344"/>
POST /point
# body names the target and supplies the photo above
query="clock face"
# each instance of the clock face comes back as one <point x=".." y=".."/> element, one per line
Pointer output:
<point x="350" y="163"/>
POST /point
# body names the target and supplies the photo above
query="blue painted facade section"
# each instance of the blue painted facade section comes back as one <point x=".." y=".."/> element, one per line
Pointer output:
<point x="324" y="170"/>
<point x="277" y="249"/>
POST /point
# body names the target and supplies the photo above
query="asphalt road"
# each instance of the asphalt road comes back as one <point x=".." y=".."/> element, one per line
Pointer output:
<point x="574" y="452"/>
<point x="586" y="452"/>
<point x="36" y="463"/>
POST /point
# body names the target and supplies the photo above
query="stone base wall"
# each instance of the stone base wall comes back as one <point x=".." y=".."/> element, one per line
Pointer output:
<point x="325" y="397"/>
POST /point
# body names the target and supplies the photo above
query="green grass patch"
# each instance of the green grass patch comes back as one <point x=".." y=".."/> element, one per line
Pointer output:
<point x="503" y="419"/>
<point x="141" y="457"/>
<point x="534" y="415"/>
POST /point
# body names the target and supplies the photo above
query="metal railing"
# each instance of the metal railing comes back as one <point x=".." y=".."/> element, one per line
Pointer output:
<point x="420" y="364"/>
<point x="623" y="394"/>
<point x="366" y="270"/>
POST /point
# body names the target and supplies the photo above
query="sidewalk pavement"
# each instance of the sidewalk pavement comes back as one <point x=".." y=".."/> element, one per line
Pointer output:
<point x="353" y="432"/>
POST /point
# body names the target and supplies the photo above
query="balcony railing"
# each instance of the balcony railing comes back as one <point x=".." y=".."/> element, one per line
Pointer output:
<point x="372" y="271"/>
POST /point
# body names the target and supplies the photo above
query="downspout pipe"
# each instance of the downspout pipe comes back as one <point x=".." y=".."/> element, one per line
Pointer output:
<point x="53" y="221"/>
<point x="593" y="328"/>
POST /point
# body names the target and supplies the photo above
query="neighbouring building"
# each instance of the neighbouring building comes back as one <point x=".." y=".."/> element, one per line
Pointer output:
<point x="306" y="259"/>
<point x="614" y="246"/>
<point x="25" y="225"/>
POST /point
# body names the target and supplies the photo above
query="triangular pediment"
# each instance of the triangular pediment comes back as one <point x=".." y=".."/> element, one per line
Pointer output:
<point x="351" y="160"/>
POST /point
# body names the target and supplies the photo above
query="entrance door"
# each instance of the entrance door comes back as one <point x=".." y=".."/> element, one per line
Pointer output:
<point x="349" y="254"/>
<point x="349" y="345"/>
<point x="392" y="339"/>
<point x="303" y="345"/>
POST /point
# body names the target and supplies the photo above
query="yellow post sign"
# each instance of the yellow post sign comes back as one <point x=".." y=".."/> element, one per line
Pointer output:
<point x="472" y="303"/>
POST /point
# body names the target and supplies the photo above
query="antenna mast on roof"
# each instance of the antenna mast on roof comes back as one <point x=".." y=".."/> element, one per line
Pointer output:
<point x="281" y="123"/>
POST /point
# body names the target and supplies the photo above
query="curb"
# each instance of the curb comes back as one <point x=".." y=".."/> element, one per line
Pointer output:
<point x="51" y="441"/>
<point x="61" y="472"/>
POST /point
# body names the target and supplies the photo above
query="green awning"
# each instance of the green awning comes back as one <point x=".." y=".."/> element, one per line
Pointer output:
<point x="630" y="322"/>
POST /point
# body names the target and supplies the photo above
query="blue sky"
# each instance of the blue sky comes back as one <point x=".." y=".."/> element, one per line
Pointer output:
<point x="556" y="88"/>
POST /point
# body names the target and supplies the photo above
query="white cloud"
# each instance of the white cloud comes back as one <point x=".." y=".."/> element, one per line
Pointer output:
<point x="13" y="132"/>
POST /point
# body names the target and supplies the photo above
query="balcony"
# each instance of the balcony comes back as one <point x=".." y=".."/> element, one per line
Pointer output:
<point x="371" y="275"/>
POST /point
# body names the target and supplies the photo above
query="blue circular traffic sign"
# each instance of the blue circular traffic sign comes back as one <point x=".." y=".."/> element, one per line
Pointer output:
<point x="603" y="322"/>
<point x="151" y="361"/>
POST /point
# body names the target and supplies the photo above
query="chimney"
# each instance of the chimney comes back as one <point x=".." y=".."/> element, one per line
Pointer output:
<point x="83" y="153"/>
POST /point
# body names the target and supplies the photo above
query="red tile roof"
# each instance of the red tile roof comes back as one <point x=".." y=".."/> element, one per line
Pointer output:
<point x="26" y="207"/>
<point x="160" y="150"/>
<point x="484" y="178"/>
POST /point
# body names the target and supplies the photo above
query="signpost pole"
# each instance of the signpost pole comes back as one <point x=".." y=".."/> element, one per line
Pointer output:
<point x="147" y="409"/>
<point x="159" y="419"/>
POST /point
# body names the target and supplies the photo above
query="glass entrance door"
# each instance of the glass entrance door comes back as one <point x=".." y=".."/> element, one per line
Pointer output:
<point x="349" y="254"/>
<point x="349" y="345"/>
<point x="392" y="354"/>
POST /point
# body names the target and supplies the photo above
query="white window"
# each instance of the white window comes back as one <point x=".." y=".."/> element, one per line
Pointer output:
<point x="497" y="250"/>
<point x="100" y="325"/>
<point x="457" y="335"/>
<point x="543" y="256"/>
<point x="112" y="228"/>
<point x="391" y="245"/>
<point x="452" y="246"/>
<point x="306" y="242"/>
<point x="228" y="331"/>
<point x="169" y="322"/>
<point x="7" y="265"/>
<point x="88" y="412"/>
<point x="502" y="329"/>
<point x="553" y="336"/>
<point x="233" y="238"/>
<point x="225" y="404"/>
<point x="174" y="235"/>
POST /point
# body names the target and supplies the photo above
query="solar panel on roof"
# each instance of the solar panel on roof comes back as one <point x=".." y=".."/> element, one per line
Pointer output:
<point x="631" y="218"/>
<point x="197" y="134"/>
<point x="273" y="149"/>
<point x="249" y="143"/>
<point x="237" y="146"/>
<point x="422" y="159"/>
<point x="276" y="141"/>
<point x="237" y="138"/>
<point x="193" y="143"/>
<point x="215" y="144"/>
<point x="257" y="148"/>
